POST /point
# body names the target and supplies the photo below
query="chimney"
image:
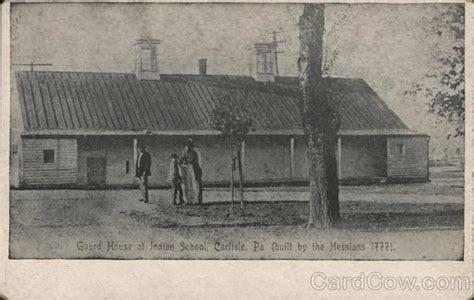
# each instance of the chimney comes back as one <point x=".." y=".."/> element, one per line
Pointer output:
<point x="203" y="66"/>
<point x="262" y="62"/>
<point x="146" y="59"/>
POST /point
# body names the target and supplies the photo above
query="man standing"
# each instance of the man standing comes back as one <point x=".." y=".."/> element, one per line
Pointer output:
<point x="142" y="171"/>
<point x="191" y="157"/>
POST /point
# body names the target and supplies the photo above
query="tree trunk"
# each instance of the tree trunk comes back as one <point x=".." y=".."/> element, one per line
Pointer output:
<point x="320" y="122"/>
<point x="231" y="176"/>
<point x="241" y="179"/>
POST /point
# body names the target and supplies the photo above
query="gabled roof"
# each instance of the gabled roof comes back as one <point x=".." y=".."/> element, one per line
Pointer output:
<point x="77" y="102"/>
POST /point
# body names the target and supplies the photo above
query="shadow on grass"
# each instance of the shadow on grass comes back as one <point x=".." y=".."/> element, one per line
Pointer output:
<point x="354" y="216"/>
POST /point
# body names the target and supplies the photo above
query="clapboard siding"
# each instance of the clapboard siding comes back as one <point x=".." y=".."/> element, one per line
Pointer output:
<point x="62" y="171"/>
<point x="411" y="164"/>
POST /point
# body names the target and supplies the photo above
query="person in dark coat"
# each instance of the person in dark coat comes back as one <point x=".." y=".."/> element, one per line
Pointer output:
<point x="190" y="156"/>
<point x="142" y="171"/>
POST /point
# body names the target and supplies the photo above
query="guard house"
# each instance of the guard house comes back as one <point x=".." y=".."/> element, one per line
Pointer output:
<point x="81" y="129"/>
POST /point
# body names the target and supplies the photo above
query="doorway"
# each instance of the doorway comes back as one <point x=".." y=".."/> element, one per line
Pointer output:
<point x="96" y="170"/>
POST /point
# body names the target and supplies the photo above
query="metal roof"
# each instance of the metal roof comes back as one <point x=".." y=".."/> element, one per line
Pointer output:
<point x="79" y="102"/>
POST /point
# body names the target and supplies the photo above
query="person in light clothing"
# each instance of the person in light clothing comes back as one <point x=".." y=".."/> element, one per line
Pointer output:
<point x="191" y="157"/>
<point x="175" y="179"/>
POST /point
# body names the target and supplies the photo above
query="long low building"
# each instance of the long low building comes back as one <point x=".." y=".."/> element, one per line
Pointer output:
<point x="82" y="129"/>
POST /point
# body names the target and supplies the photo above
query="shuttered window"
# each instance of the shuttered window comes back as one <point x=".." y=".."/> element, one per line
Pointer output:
<point x="48" y="156"/>
<point x="264" y="62"/>
<point x="146" y="60"/>
<point x="401" y="149"/>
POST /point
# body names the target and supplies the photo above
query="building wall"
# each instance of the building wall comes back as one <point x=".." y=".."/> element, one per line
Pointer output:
<point x="63" y="170"/>
<point x="266" y="158"/>
<point x="410" y="162"/>
<point x="119" y="150"/>
<point x="363" y="157"/>
<point x="301" y="169"/>
<point x="16" y="144"/>
<point x="116" y="150"/>
<point x="215" y="158"/>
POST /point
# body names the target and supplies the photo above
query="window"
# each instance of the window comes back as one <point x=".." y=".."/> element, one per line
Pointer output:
<point x="401" y="149"/>
<point x="14" y="151"/>
<point x="48" y="156"/>
<point x="146" y="60"/>
<point x="127" y="167"/>
<point x="264" y="62"/>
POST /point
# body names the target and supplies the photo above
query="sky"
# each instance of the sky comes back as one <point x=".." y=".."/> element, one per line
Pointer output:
<point x="389" y="46"/>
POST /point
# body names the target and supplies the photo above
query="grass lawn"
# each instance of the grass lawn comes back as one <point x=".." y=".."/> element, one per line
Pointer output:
<point x="354" y="215"/>
<point x="50" y="224"/>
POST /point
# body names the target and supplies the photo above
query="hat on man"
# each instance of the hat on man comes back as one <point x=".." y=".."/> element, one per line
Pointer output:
<point x="190" y="143"/>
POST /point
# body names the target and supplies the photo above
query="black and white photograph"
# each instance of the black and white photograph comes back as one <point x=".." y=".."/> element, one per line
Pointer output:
<point x="237" y="131"/>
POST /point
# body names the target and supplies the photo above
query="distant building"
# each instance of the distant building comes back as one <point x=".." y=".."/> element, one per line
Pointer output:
<point x="449" y="154"/>
<point x="82" y="129"/>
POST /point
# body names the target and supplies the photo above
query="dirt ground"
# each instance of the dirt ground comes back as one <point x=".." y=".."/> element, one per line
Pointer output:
<point x="416" y="221"/>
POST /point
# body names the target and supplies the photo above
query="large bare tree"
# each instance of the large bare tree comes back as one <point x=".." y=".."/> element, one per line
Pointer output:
<point x="320" y="122"/>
